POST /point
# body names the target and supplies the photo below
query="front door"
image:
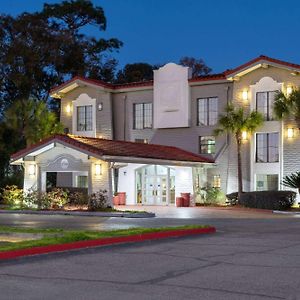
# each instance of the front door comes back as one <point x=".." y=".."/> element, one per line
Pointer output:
<point x="155" y="190"/>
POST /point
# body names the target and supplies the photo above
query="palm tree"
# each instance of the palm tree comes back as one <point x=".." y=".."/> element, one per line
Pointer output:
<point x="235" y="121"/>
<point x="292" y="181"/>
<point x="288" y="106"/>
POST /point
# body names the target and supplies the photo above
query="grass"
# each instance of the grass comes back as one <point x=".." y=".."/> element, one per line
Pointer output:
<point x="54" y="236"/>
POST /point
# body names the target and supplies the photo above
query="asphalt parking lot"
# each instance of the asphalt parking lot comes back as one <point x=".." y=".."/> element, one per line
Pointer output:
<point x="248" y="258"/>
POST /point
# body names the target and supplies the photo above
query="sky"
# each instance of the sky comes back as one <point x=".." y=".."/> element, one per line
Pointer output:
<point x="225" y="33"/>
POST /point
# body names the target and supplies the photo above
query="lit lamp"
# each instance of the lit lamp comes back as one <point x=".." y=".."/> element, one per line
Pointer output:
<point x="290" y="133"/>
<point x="31" y="170"/>
<point x="68" y="108"/>
<point x="98" y="169"/>
<point x="245" y="95"/>
<point x="244" y="135"/>
<point x="289" y="90"/>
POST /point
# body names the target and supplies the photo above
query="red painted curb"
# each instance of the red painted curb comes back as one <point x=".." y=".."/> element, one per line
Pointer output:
<point x="104" y="241"/>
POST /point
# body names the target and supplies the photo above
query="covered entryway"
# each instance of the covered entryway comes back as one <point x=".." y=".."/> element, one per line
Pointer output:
<point x="155" y="185"/>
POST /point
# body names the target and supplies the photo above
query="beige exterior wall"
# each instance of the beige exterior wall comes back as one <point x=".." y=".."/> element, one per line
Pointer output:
<point x="115" y="121"/>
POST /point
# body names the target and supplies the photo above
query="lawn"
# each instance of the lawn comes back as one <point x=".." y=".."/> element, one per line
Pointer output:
<point x="54" y="236"/>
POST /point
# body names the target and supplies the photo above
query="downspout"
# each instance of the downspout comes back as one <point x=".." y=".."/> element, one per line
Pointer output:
<point x="125" y="117"/>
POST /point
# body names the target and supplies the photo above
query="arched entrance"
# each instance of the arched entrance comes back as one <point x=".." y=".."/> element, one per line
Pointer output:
<point x="155" y="185"/>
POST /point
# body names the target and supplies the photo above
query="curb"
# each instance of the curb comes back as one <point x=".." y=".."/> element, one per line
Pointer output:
<point x="286" y="212"/>
<point x="104" y="242"/>
<point x="83" y="214"/>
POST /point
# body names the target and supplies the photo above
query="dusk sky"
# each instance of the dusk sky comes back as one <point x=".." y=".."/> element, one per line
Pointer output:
<point x="223" y="33"/>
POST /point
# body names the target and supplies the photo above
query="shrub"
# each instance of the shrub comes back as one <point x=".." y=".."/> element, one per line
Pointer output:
<point x="78" y="198"/>
<point x="213" y="196"/>
<point x="232" y="198"/>
<point x="274" y="200"/>
<point x="13" y="196"/>
<point x="98" y="200"/>
<point x="58" y="197"/>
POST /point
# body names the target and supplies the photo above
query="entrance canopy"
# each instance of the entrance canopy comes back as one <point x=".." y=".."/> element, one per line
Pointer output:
<point x="114" y="151"/>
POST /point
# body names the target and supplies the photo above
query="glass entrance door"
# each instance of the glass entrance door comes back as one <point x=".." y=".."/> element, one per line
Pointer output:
<point x="154" y="185"/>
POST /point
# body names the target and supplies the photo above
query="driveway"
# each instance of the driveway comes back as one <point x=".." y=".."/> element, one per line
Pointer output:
<point x="248" y="258"/>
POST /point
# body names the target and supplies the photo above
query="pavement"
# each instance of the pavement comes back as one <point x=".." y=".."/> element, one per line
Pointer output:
<point x="253" y="255"/>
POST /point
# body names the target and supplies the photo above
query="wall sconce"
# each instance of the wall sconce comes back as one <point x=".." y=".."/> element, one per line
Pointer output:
<point x="68" y="108"/>
<point x="244" y="135"/>
<point x="100" y="106"/>
<point x="290" y="133"/>
<point x="289" y="90"/>
<point x="245" y="95"/>
<point x="98" y="169"/>
<point x="31" y="170"/>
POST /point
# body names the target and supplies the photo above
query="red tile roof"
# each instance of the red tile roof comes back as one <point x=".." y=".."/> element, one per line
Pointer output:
<point x="103" y="147"/>
<point x="264" y="59"/>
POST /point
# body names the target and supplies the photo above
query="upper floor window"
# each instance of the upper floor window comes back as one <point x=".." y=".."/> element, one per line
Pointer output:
<point x="85" y="118"/>
<point x="207" y="145"/>
<point x="207" y="111"/>
<point x="264" y="104"/>
<point x="267" y="149"/>
<point x="142" y="115"/>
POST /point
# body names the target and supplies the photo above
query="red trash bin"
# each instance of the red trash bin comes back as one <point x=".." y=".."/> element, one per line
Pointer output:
<point x="179" y="201"/>
<point x="186" y="199"/>
<point x="122" y="198"/>
<point x="116" y="200"/>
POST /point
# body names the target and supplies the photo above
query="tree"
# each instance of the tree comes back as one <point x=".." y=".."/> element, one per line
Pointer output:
<point x="288" y="106"/>
<point x="31" y="121"/>
<point x="234" y="122"/>
<point x="292" y="181"/>
<point x="40" y="50"/>
<point x="197" y="66"/>
<point x="135" y="72"/>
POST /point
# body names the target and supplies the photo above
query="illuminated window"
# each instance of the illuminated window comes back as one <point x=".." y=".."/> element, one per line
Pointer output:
<point x="84" y="118"/>
<point x="267" y="182"/>
<point x="82" y="181"/>
<point x="207" y="145"/>
<point x="142" y="115"/>
<point x="217" y="181"/>
<point x="207" y="111"/>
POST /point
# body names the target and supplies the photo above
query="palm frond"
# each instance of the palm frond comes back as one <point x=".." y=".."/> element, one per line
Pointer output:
<point x="292" y="181"/>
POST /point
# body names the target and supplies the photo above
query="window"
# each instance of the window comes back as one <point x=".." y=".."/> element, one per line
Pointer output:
<point x="267" y="182"/>
<point x="217" y="181"/>
<point x="85" y="118"/>
<point x="207" y="145"/>
<point x="82" y="181"/>
<point x="267" y="147"/>
<point x="142" y="115"/>
<point x="142" y="141"/>
<point x="264" y="104"/>
<point x="207" y="111"/>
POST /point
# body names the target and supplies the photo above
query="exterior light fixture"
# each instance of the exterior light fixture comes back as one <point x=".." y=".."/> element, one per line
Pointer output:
<point x="244" y="135"/>
<point x="289" y="90"/>
<point x="31" y="170"/>
<point x="68" y="108"/>
<point x="290" y="133"/>
<point x="98" y="169"/>
<point x="245" y="95"/>
<point x="100" y="106"/>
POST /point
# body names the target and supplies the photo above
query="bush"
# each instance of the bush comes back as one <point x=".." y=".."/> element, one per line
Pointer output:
<point x="58" y="198"/>
<point x="78" y="198"/>
<point x="13" y="196"/>
<point x="274" y="200"/>
<point x="213" y="196"/>
<point x="98" y="200"/>
<point x="232" y="198"/>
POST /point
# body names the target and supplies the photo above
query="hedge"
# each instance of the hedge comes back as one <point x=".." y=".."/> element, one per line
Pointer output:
<point x="274" y="200"/>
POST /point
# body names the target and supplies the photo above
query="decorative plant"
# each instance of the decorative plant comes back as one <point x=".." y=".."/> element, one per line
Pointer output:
<point x="213" y="195"/>
<point x="98" y="200"/>
<point x="235" y="121"/>
<point x="288" y="106"/>
<point x="292" y="181"/>
<point x="13" y="196"/>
